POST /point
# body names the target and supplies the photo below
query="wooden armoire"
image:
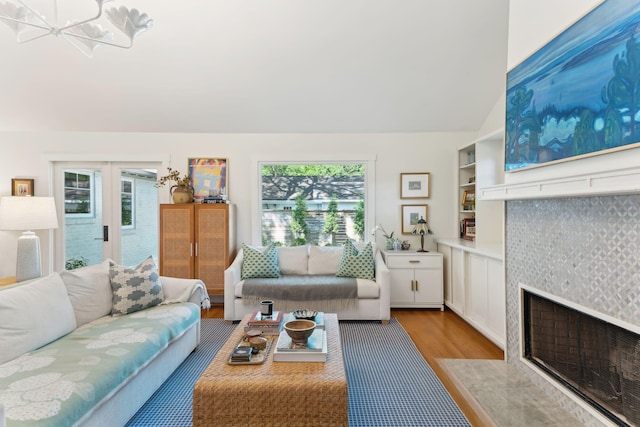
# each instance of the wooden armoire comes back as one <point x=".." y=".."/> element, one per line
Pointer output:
<point x="197" y="241"/>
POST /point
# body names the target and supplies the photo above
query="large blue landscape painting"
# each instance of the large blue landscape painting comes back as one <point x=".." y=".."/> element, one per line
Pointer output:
<point x="580" y="93"/>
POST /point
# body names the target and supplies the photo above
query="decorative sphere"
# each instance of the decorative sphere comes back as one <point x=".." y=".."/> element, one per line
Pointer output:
<point x="299" y="330"/>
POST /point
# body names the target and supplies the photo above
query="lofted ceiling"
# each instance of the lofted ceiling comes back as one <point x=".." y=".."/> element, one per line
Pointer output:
<point x="269" y="66"/>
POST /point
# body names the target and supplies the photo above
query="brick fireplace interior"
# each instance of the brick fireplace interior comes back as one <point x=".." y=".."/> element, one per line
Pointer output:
<point x="584" y="250"/>
<point x="595" y="359"/>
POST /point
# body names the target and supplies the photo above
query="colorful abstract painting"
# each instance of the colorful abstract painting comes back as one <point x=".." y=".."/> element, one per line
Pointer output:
<point x="208" y="177"/>
<point x="579" y="95"/>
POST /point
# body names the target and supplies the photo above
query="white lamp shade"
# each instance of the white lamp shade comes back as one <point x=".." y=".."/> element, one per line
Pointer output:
<point x="28" y="213"/>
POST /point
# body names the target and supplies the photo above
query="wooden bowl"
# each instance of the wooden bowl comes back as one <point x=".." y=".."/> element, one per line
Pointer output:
<point x="299" y="330"/>
<point x="259" y="343"/>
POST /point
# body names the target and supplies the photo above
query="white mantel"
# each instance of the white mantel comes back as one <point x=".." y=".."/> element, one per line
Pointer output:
<point x="619" y="181"/>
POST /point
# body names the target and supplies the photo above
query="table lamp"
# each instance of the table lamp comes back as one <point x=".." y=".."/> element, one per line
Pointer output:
<point x="27" y="214"/>
<point x="421" y="228"/>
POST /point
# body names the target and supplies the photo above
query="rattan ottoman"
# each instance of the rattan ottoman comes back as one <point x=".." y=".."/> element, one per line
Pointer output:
<point x="274" y="393"/>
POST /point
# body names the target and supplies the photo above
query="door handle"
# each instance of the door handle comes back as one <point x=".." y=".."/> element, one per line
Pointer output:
<point x="105" y="234"/>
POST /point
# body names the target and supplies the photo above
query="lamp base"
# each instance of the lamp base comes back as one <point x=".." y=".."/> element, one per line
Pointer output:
<point x="28" y="261"/>
<point x="422" y="250"/>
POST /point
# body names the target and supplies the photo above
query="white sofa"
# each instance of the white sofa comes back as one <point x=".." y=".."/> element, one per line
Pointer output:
<point x="312" y="264"/>
<point x="65" y="360"/>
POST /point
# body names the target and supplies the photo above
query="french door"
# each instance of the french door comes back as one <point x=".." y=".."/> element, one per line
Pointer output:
<point x="105" y="210"/>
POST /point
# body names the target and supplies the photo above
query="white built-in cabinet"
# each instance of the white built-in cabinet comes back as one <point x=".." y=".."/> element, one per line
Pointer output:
<point x="416" y="278"/>
<point x="474" y="280"/>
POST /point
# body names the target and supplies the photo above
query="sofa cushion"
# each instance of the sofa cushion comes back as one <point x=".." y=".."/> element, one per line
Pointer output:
<point x="89" y="290"/>
<point x="324" y="260"/>
<point x="135" y="289"/>
<point x="293" y="259"/>
<point x="356" y="263"/>
<point x="34" y="314"/>
<point x="260" y="262"/>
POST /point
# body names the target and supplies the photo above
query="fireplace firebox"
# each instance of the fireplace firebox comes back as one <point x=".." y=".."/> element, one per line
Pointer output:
<point x="595" y="359"/>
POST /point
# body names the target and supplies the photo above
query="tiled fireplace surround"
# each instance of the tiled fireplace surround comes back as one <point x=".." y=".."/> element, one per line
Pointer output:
<point x="583" y="249"/>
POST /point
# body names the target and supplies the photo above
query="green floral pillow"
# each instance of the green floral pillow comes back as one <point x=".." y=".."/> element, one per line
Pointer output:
<point x="260" y="262"/>
<point x="356" y="263"/>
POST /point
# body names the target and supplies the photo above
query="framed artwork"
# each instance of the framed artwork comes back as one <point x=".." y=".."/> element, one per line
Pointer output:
<point x="414" y="185"/>
<point x="577" y="95"/>
<point x="410" y="216"/>
<point x="469" y="228"/>
<point x="209" y="177"/>
<point x="21" y="187"/>
<point x="469" y="198"/>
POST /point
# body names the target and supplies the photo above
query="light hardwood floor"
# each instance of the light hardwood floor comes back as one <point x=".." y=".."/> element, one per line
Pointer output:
<point x="437" y="335"/>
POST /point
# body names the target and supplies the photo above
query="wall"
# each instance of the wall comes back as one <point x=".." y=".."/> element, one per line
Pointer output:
<point x="27" y="155"/>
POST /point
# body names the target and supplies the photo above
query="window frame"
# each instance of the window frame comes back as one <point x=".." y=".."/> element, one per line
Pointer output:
<point x="92" y="195"/>
<point x="369" y="162"/>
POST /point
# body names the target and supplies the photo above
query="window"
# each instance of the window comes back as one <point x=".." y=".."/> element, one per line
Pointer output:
<point x="78" y="193"/>
<point x="319" y="203"/>
<point x="126" y="202"/>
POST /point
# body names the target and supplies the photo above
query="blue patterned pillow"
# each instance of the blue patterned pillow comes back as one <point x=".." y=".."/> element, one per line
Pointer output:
<point x="260" y="262"/>
<point x="355" y="263"/>
<point x="135" y="289"/>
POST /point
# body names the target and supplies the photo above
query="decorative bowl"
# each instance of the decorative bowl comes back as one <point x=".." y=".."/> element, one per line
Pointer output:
<point x="299" y="330"/>
<point x="259" y="343"/>
<point x="305" y="314"/>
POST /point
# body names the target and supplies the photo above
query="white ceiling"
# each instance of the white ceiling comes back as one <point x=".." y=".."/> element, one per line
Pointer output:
<point x="269" y="66"/>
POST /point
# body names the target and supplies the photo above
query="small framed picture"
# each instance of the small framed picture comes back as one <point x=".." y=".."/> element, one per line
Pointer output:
<point x="469" y="198"/>
<point x="209" y="177"/>
<point x="21" y="187"/>
<point x="410" y="216"/>
<point x="469" y="228"/>
<point x="414" y="185"/>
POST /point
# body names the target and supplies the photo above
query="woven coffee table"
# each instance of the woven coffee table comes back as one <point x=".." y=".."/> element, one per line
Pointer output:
<point x="273" y="393"/>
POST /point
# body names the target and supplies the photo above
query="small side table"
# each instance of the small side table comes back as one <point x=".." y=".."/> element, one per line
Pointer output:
<point x="416" y="279"/>
<point x="7" y="280"/>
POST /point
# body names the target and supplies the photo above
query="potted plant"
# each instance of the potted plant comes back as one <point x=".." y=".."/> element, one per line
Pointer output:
<point x="181" y="191"/>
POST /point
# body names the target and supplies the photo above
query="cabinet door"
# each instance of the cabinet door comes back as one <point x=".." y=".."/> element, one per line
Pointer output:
<point x="477" y="302"/>
<point x="428" y="286"/>
<point x="212" y="246"/>
<point x="457" y="280"/>
<point x="176" y="240"/>
<point x="446" y="271"/>
<point x="496" y="304"/>
<point x="401" y="286"/>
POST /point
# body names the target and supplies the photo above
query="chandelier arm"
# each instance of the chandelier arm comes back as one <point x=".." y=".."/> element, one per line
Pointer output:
<point x="79" y="36"/>
<point x="32" y="38"/>
<point x="30" y="24"/>
<point x="75" y="24"/>
<point x="48" y="26"/>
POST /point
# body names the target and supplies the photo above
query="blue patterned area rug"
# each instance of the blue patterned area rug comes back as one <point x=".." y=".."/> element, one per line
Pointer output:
<point x="390" y="383"/>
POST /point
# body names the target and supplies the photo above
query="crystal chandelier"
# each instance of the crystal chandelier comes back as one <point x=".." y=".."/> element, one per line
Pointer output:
<point x="38" y="19"/>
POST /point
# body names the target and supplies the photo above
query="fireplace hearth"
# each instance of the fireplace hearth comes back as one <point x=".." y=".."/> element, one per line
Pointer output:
<point x="597" y="360"/>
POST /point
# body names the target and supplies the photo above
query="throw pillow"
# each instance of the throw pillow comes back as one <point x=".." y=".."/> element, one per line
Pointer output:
<point x="32" y="315"/>
<point x="260" y="262"/>
<point x="89" y="290"/>
<point x="355" y="263"/>
<point x="135" y="289"/>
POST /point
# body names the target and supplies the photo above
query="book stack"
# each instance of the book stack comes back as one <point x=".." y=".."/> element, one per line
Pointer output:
<point x="241" y="354"/>
<point x="214" y="200"/>
<point x="268" y="325"/>
<point x="314" y="351"/>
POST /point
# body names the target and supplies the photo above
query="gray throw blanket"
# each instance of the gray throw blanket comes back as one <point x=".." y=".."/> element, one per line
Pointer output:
<point x="301" y="288"/>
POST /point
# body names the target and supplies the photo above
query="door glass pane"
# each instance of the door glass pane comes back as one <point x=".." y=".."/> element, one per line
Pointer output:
<point x="139" y="215"/>
<point x="82" y="217"/>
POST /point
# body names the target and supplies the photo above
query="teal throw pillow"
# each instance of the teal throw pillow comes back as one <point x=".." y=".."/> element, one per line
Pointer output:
<point x="356" y="263"/>
<point x="260" y="262"/>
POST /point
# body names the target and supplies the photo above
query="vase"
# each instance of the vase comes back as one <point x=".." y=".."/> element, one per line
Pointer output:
<point x="389" y="244"/>
<point x="181" y="194"/>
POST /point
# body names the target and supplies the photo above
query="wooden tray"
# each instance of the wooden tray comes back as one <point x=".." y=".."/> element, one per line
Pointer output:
<point x="256" y="359"/>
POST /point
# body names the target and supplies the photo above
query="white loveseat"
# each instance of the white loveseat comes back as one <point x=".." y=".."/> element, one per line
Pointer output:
<point x="65" y="360"/>
<point x="315" y="265"/>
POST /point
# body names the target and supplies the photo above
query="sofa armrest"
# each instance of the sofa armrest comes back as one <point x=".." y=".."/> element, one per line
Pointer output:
<point x="232" y="275"/>
<point x="185" y="290"/>
<point x="384" y="281"/>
